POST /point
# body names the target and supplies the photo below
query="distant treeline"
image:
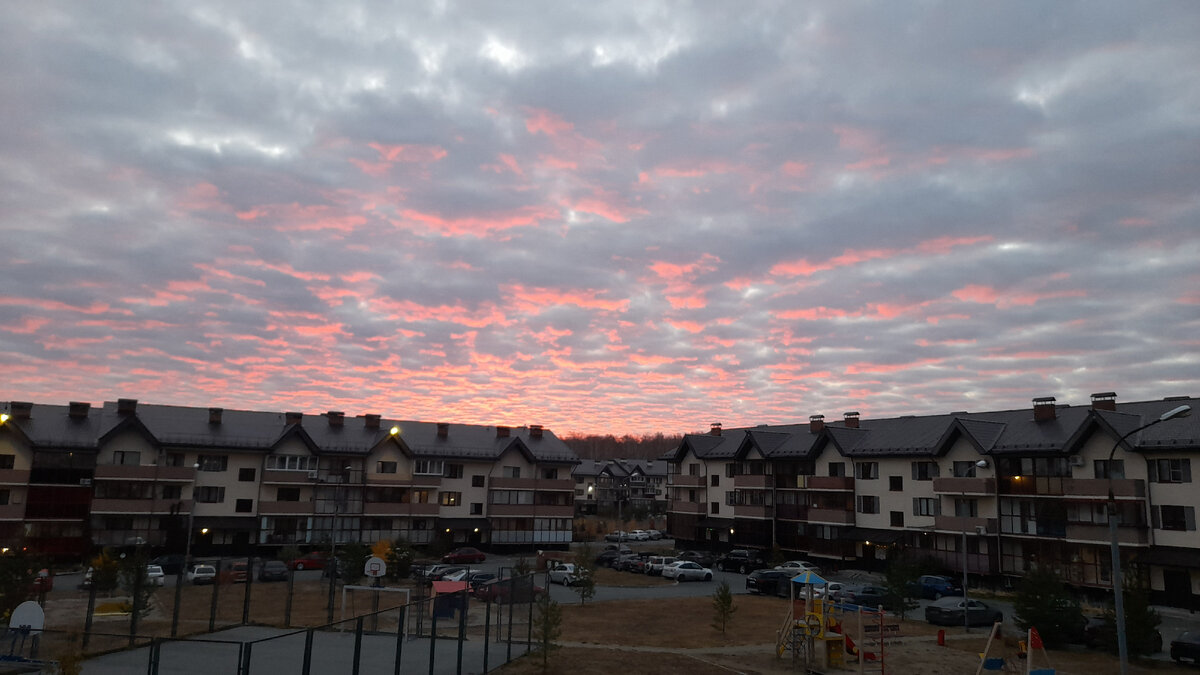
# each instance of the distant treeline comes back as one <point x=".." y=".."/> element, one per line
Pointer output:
<point x="623" y="447"/>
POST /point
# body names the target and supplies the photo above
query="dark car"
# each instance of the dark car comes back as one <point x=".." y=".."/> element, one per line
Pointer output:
<point x="934" y="587"/>
<point x="867" y="596"/>
<point x="508" y="590"/>
<point x="477" y="579"/>
<point x="171" y="563"/>
<point x="1186" y="646"/>
<point x="607" y="558"/>
<point x="464" y="556"/>
<point x="1098" y="633"/>
<point x="769" y="582"/>
<point x="699" y="557"/>
<point x="740" y="560"/>
<point x="273" y="570"/>
<point x="948" y="611"/>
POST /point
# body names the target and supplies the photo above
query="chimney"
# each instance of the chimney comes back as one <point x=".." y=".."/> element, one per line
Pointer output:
<point x="292" y="417"/>
<point x="851" y="419"/>
<point x="214" y="415"/>
<point x="336" y="418"/>
<point x="816" y="423"/>
<point x="126" y="406"/>
<point x="78" y="409"/>
<point x="443" y="430"/>
<point x="715" y="429"/>
<point x="501" y="432"/>
<point x="21" y="410"/>
<point x="371" y="421"/>
<point x="1044" y="409"/>
<point x="1105" y="400"/>
<point x="535" y="431"/>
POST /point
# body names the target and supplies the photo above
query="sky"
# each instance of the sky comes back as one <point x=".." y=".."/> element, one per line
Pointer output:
<point x="601" y="217"/>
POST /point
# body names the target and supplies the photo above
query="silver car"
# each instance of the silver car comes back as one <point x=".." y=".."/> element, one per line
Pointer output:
<point x="686" y="570"/>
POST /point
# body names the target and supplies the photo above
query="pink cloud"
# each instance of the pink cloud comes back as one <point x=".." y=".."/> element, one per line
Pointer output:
<point x="990" y="296"/>
<point x="535" y="299"/>
<point x="526" y="216"/>
<point x="795" y="169"/>
<point x="882" y="368"/>
<point x="538" y="120"/>
<point x="559" y="164"/>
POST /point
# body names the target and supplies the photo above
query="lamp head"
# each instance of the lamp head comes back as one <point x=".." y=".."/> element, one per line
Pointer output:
<point x="982" y="464"/>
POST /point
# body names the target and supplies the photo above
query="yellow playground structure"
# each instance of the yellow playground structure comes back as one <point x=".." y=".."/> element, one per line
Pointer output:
<point x="813" y="630"/>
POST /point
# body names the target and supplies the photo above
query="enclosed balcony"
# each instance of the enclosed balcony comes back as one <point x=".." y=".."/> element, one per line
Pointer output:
<point x="970" y="486"/>
<point x="685" y="480"/>
<point x="838" y="483"/>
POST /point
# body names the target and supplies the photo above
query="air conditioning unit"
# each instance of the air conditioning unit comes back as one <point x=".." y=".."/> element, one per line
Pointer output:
<point x="312" y="475"/>
<point x="85" y="481"/>
<point x="1077" y="460"/>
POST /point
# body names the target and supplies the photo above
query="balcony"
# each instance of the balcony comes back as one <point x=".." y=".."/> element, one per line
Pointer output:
<point x="531" y="484"/>
<point x="139" y="506"/>
<point x="832" y="548"/>
<point x="839" y="483"/>
<point x="14" y="476"/>
<point x="389" y="479"/>
<point x="1132" y="536"/>
<point x="970" y="486"/>
<point x="285" y="508"/>
<point x="287" y="477"/>
<point x="791" y="512"/>
<point x="964" y="523"/>
<point x="12" y="512"/>
<point x="531" y="510"/>
<point x="749" y="481"/>
<point x="685" y="480"/>
<point x="1098" y="487"/>
<point x="688" y="507"/>
<point x="830" y="516"/>
<point x="747" y="511"/>
<point x="164" y="474"/>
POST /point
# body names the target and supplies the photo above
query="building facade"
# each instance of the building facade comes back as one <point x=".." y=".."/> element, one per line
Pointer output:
<point x="1016" y="487"/>
<point x="74" y="478"/>
<point x="620" y="486"/>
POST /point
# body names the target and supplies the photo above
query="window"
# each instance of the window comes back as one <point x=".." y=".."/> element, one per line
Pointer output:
<point x="1171" y="471"/>
<point x="549" y="474"/>
<point x="209" y="494"/>
<point x="966" y="508"/>
<point x="512" y="472"/>
<point x="896" y="483"/>
<point x="385" y="467"/>
<point x="287" y="494"/>
<point x="476" y="508"/>
<point x="172" y="492"/>
<point x="897" y="518"/>
<point x="866" y="470"/>
<point x="1109" y="468"/>
<point x="478" y="480"/>
<point x="291" y="463"/>
<point x="925" y="506"/>
<point x="4" y="496"/>
<point x="450" y="498"/>
<point x="868" y="504"/>
<point x="428" y="467"/>
<point x="716" y="480"/>
<point x="420" y="524"/>
<point x="715" y="507"/>
<point x="7" y="461"/>
<point x="246" y="475"/>
<point x="837" y="469"/>
<point x="244" y="506"/>
<point x="453" y="471"/>
<point x="127" y="458"/>
<point x="693" y="469"/>
<point x="964" y="469"/>
<point x="924" y="470"/>
<point x="692" y="496"/>
<point x="173" y="459"/>
<point x="420" y="496"/>
<point x="730" y="470"/>
<point x="213" y="462"/>
<point x="1182" y="518"/>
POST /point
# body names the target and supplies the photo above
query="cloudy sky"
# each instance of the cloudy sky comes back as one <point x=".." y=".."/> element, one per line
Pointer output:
<point x="601" y="216"/>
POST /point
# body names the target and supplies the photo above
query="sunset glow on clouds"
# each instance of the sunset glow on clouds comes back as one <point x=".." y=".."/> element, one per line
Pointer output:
<point x="613" y="217"/>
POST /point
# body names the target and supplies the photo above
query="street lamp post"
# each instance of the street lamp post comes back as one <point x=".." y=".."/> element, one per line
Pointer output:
<point x="982" y="464"/>
<point x="333" y="529"/>
<point x="1118" y="590"/>
<point x="187" y="556"/>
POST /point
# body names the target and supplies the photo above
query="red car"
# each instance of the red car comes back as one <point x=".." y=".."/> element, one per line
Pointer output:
<point x="310" y="561"/>
<point x="466" y="555"/>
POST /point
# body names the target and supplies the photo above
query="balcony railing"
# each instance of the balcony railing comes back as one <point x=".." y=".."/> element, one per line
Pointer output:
<point x="688" y="507"/>
<point x="285" y="508"/>
<point x="397" y="509"/>
<point x="830" y="483"/>
<point x="531" y="510"/>
<point x="151" y="472"/>
<point x="961" y="523"/>
<point x="971" y="486"/>
<point x="500" y="483"/>
<point x="14" y="476"/>
<point x="747" y="511"/>
<point x="830" y="516"/>
<point x="1133" y="536"/>
<point x="685" y="480"/>
<point x="140" y="506"/>
<point x="753" y="481"/>
<point x="791" y="512"/>
<point x="1098" y="487"/>
<point x="12" y="512"/>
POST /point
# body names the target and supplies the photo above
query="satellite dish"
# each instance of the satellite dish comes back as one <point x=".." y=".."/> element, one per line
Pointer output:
<point x="28" y="614"/>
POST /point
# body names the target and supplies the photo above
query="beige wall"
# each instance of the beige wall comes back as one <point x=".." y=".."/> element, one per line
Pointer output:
<point x="11" y="444"/>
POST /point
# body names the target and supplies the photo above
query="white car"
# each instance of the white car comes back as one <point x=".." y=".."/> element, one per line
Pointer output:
<point x="833" y="589"/>
<point x="202" y="574"/>
<point x="564" y="573"/>
<point x="798" y="566"/>
<point x="639" y="535"/>
<point x="155" y="575"/>
<point x="684" y="570"/>
<point x="656" y="563"/>
<point x="460" y="575"/>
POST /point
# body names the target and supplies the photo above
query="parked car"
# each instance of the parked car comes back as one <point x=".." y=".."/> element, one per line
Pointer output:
<point x="563" y="573"/>
<point x="948" y="611"/>
<point x="620" y="548"/>
<point x="477" y="579"/>
<point x="445" y="571"/>
<point x="43" y="582"/>
<point x="740" y="560"/>
<point x="1098" y="633"/>
<point x="504" y="590"/>
<point x="626" y="562"/>
<point x="1186" y="646"/>
<point x="655" y="535"/>
<point x="867" y="596"/>
<point x="202" y="574"/>
<point x="171" y="563"/>
<point x="686" y="570"/>
<point x="457" y="575"/>
<point x="465" y="555"/>
<point x="273" y="570"/>
<point x="639" y="535"/>
<point x="934" y="587"/>
<point x="237" y="572"/>
<point x="155" y="575"/>
<point x="310" y="561"/>
<point x="619" y="535"/>
<point x="699" y="557"/>
<point x="654" y="566"/>
<point x="798" y="566"/>
<point x="769" y="582"/>
<point x="606" y="558"/>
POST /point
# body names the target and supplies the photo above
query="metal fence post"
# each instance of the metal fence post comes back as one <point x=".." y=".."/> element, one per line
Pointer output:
<point x="246" y="599"/>
<point x="178" y="599"/>
<point x="87" y="622"/>
<point x="287" y="607"/>
<point x="153" y="657"/>
<point x="308" y="644"/>
<point x="462" y="630"/>
<point x="432" y="635"/>
<point x="138" y="577"/>
<point x="358" y="630"/>
<point x="244" y="658"/>
<point x="510" y="619"/>
<point x="212" y="612"/>
<point x="529" y="624"/>
<point x="400" y="639"/>
<point x="487" y="632"/>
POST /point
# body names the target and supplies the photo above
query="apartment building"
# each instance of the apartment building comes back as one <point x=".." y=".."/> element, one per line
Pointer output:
<point x="625" y="485"/>
<point x="1015" y="487"/>
<point x="73" y="478"/>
